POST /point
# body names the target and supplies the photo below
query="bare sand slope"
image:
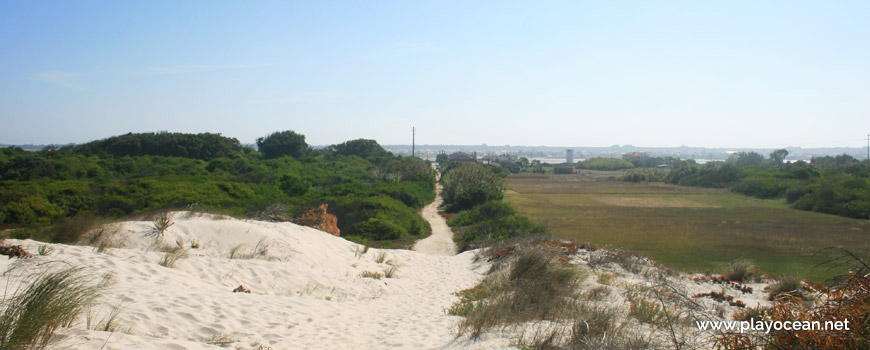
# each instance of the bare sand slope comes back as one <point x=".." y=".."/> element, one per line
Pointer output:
<point x="441" y="240"/>
<point x="308" y="289"/>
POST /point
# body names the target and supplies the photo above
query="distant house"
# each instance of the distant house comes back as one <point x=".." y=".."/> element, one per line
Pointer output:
<point x="462" y="157"/>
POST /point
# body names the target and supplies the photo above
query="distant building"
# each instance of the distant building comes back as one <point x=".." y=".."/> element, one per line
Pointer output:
<point x="640" y="155"/>
<point x="569" y="156"/>
<point x="462" y="157"/>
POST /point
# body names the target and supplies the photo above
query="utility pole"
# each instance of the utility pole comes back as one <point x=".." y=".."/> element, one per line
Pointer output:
<point x="413" y="139"/>
<point x="868" y="147"/>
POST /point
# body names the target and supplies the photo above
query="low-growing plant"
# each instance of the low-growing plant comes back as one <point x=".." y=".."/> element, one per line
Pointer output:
<point x="749" y="313"/>
<point x="220" y="339"/>
<point x="52" y="299"/>
<point x="605" y="278"/>
<point x="45" y="250"/>
<point x="848" y="298"/>
<point x="786" y="285"/>
<point x="160" y="225"/>
<point x="646" y="311"/>
<point x="372" y="274"/>
<point x="380" y="257"/>
<point x="534" y="287"/>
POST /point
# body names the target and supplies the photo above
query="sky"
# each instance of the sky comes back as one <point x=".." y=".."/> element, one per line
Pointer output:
<point x="573" y="73"/>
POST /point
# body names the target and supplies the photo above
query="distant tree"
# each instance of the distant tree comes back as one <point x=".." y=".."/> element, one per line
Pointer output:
<point x="203" y="146"/>
<point x="284" y="143"/>
<point x="360" y="147"/>
<point x="442" y="159"/>
<point x="510" y="166"/>
<point x="746" y="159"/>
<point x="524" y="161"/>
<point x="778" y="156"/>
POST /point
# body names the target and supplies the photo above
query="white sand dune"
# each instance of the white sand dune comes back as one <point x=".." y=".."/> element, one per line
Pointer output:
<point x="307" y="292"/>
<point x="307" y="288"/>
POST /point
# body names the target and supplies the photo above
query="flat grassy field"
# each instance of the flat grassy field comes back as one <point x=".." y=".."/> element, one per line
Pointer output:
<point x="689" y="228"/>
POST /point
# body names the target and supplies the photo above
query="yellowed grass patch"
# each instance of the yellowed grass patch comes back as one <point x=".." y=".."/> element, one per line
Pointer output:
<point x="650" y="202"/>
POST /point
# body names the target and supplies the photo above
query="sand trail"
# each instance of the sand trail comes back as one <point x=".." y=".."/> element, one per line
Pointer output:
<point x="441" y="240"/>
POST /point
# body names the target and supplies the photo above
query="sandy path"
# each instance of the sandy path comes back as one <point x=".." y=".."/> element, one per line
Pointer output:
<point x="441" y="240"/>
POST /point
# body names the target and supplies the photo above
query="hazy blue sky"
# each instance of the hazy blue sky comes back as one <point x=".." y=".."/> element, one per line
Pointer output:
<point x="597" y="73"/>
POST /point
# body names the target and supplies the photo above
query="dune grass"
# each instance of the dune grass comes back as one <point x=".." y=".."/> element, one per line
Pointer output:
<point x="534" y="287"/>
<point x="173" y="257"/>
<point x="31" y="318"/>
<point x="688" y="228"/>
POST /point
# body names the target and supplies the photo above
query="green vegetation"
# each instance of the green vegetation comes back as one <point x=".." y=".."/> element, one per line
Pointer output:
<point x="467" y="185"/>
<point x="197" y="146"/>
<point x="492" y="221"/>
<point x="605" y="164"/>
<point x="58" y="194"/>
<point x="533" y="288"/>
<point x="686" y="227"/>
<point x="284" y="143"/>
<point x="837" y="185"/>
<point x="645" y="175"/>
<point x="474" y="193"/>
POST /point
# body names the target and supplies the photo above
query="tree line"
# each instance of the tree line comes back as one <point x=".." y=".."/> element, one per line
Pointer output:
<point x="837" y="185"/>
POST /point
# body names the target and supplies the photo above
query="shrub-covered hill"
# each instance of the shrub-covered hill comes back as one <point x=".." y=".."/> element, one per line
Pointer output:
<point x="43" y="193"/>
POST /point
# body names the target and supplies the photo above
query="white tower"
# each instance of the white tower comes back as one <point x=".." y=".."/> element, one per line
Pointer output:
<point x="569" y="156"/>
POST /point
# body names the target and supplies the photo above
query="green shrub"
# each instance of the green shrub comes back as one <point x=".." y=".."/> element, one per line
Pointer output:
<point x="379" y="229"/>
<point x="645" y="175"/>
<point x="605" y="164"/>
<point x="468" y="184"/>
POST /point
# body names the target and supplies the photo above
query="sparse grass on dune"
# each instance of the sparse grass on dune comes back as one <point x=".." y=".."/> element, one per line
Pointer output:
<point x="173" y="257"/>
<point x="534" y="287"/>
<point x="723" y="226"/>
<point x="31" y="317"/>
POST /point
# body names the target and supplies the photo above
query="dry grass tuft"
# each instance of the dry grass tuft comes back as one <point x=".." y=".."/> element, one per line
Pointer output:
<point x="172" y="257"/>
<point x="786" y="285"/>
<point x="532" y="288"/>
<point x="740" y="270"/>
<point x="107" y="323"/>
<point x="372" y="274"/>
<point x="390" y="272"/>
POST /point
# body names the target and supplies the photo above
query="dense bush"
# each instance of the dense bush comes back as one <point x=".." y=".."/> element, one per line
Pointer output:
<point x="836" y="185"/>
<point x="468" y="184"/>
<point x="375" y="228"/>
<point x="605" y="164"/>
<point x="492" y="221"/>
<point x="199" y="146"/>
<point x="368" y="149"/>
<point x="68" y="184"/>
<point x="645" y="175"/>
<point x="284" y="143"/>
